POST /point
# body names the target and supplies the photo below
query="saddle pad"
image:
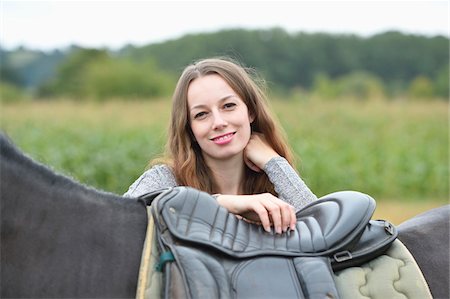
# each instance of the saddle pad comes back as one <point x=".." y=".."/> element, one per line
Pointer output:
<point x="394" y="274"/>
<point x="149" y="280"/>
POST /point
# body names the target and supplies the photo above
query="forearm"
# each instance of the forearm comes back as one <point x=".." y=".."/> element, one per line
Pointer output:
<point x="158" y="177"/>
<point x="288" y="184"/>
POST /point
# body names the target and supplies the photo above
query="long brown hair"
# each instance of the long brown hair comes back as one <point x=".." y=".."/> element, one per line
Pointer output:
<point x="184" y="155"/>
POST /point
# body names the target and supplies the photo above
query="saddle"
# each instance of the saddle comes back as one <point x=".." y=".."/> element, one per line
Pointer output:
<point x="206" y="252"/>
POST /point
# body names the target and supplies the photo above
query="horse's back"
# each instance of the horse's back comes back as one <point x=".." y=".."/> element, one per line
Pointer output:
<point x="427" y="238"/>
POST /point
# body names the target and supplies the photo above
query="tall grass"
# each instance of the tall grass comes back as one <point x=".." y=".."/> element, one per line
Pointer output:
<point x="391" y="150"/>
<point x="387" y="149"/>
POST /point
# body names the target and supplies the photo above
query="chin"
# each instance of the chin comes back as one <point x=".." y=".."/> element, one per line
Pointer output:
<point x="225" y="155"/>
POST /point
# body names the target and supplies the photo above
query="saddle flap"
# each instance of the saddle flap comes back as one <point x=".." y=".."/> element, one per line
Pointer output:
<point x="324" y="226"/>
<point x="377" y="237"/>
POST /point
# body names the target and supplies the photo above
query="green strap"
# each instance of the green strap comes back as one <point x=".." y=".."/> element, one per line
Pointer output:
<point x="165" y="257"/>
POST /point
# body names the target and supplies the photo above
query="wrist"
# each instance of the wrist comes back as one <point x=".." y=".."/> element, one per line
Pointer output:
<point x="267" y="160"/>
<point x="229" y="202"/>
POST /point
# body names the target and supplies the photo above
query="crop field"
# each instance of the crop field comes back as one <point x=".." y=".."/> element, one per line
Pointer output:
<point x="395" y="151"/>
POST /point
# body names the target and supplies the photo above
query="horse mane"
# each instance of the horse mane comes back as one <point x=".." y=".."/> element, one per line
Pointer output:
<point x="20" y="160"/>
<point x="55" y="225"/>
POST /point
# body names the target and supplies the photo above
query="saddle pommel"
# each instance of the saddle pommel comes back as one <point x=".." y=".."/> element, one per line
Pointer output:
<point x="327" y="226"/>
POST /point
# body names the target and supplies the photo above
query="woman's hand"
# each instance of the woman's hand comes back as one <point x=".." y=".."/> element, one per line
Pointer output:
<point x="258" y="152"/>
<point x="264" y="208"/>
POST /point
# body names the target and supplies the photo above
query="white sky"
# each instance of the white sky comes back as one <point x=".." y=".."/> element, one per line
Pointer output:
<point x="57" y="24"/>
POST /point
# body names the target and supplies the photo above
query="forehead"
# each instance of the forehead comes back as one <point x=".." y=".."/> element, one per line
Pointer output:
<point x="207" y="89"/>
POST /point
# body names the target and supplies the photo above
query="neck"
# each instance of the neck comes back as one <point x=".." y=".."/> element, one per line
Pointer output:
<point x="70" y="232"/>
<point x="228" y="175"/>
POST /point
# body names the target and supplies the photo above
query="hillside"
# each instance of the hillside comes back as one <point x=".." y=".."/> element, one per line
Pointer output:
<point x="287" y="61"/>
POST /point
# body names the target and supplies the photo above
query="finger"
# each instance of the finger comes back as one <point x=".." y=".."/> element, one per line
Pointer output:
<point x="275" y="214"/>
<point x="293" y="223"/>
<point x="286" y="215"/>
<point x="263" y="217"/>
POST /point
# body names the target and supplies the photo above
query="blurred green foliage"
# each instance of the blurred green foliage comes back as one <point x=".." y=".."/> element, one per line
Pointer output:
<point x="11" y="93"/>
<point x="95" y="74"/>
<point x="390" y="150"/>
<point x="389" y="64"/>
<point x="421" y="87"/>
<point x="357" y="85"/>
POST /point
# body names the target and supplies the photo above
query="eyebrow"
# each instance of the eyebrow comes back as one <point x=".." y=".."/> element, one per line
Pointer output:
<point x="221" y="100"/>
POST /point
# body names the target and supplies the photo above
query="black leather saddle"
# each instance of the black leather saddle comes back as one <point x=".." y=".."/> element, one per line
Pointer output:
<point x="207" y="252"/>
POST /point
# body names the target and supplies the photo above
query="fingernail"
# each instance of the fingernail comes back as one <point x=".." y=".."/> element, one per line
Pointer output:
<point x="267" y="229"/>
<point x="279" y="229"/>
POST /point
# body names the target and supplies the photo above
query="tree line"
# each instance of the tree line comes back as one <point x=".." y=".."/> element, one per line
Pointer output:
<point x="386" y="65"/>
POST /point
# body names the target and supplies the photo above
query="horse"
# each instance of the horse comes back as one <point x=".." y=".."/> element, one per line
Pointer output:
<point x="427" y="238"/>
<point x="61" y="239"/>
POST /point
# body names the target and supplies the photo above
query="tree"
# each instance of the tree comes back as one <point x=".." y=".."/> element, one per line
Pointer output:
<point x="421" y="88"/>
<point x="95" y="74"/>
<point x="442" y="83"/>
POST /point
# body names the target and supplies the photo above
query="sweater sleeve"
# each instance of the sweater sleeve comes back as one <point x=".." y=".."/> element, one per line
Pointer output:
<point x="287" y="183"/>
<point x="157" y="177"/>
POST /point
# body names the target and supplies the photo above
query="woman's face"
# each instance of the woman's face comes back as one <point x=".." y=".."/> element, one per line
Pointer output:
<point x="219" y="119"/>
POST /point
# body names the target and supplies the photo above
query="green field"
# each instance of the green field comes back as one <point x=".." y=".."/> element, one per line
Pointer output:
<point x="394" y="151"/>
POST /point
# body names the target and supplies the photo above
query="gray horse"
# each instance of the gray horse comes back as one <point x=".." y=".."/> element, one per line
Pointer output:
<point x="62" y="239"/>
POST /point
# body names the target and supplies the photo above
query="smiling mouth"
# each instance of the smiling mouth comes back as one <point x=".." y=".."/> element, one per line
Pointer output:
<point x="222" y="139"/>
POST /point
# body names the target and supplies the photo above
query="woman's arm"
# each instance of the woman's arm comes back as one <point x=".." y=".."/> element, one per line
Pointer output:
<point x="287" y="183"/>
<point x="157" y="177"/>
<point x="263" y="208"/>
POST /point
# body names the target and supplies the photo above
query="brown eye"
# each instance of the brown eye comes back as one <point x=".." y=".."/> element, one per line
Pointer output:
<point x="229" y="105"/>
<point x="200" y="115"/>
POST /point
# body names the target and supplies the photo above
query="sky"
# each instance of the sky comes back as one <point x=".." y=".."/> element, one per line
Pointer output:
<point x="47" y="25"/>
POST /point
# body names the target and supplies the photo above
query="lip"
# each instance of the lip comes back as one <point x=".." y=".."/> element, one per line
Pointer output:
<point x="223" y="139"/>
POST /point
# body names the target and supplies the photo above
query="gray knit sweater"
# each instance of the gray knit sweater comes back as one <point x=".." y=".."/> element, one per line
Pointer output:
<point x="288" y="184"/>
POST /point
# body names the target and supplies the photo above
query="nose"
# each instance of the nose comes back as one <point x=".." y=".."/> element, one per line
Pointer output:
<point x="219" y="121"/>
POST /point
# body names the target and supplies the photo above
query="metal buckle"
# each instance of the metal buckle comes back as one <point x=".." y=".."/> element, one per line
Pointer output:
<point x="342" y="256"/>
<point x="388" y="227"/>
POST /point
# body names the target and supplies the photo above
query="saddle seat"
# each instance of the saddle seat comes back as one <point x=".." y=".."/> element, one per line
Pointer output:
<point x="213" y="254"/>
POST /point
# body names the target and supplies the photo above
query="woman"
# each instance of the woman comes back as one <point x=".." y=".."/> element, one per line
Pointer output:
<point x="223" y="140"/>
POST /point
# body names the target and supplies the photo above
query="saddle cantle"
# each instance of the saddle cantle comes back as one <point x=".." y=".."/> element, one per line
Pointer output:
<point x="213" y="254"/>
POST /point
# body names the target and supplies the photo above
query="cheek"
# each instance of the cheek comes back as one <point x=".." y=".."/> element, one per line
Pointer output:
<point x="246" y="129"/>
<point x="194" y="131"/>
<point x="248" y="132"/>
<point x="199" y="130"/>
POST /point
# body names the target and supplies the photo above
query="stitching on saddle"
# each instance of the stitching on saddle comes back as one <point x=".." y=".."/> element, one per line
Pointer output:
<point x="213" y="227"/>
<point x="234" y="235"/>
<point x="310" y="233"/>
<point x="366" y="270"/>
<point x="294" y="274"/>
<point x="236" y="240"/>
<point x="248" y="237"/>
<point x="403" y="264"/>
<point x="188" y="226"/>
<point x="309" y="226"/>
<point x="286" y="238"/>
<point x="225" y="229"/>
